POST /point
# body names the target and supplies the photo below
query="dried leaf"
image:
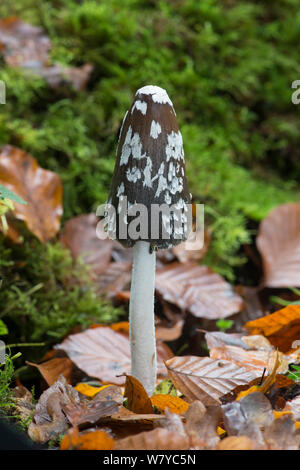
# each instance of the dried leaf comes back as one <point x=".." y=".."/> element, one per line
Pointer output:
<point x="138" y="399"/>
<point x="169" y="333"/>
<point x="202" y="425"/>
<point x="205" y="379"/>
<point x="105" y="354"/>
<point x="95" y="440"/>
<point x="282" y="328"/>
<point x="197" y="289"/>
<point x="281" y="435"/>
<point x="51" y="370"/>
<point x="79" y="235"/>
<point x="27" y="46"/>
<point x="42" y="189"/>
<point x="23" y="403"/>
<point x="279" y="244"/>
<point x="104" y="404"/>
<point x="252" y="307"/>
<point x="158" y="439"/>
<point x="49" y="421"/>
<point x="175" y="404"/>
<point x="114" y="278"/>
<point x="199" y="248"/>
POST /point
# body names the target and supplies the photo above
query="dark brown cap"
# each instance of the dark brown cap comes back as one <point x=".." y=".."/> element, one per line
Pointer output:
<point x="150" y="167"/>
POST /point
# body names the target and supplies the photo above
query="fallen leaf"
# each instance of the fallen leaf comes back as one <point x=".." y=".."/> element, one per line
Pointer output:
<point x="175" y="404"/>
<point x="158" y="439"/>
<point x="252" y="308"/>
<point x="138" y="399"/>
<point x="115" y="278"/>
<point x="49" y="421"/>
<point x="88" y="390"/>
<point x="42" y="189"/>
<point x="169" y="333"/>
<point x="197" y="289"/>
<point x="95" y="440"/>
<point x="103" y="405"/>
<point x="51" y="370"/>
<point x="23" y="403"/>
<point x="202" y="425"/>
<point x="278" y="241"/>
<point x="27" y="46"/>
<point x="236" y="443"/>
<point x="105" y="354"/>
<point x="281" y="328"/>
<point x="79" y="235"/>
<point x="205" y="379"/>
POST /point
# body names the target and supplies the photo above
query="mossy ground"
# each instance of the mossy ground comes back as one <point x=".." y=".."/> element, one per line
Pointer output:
<point x="227" y="66"/>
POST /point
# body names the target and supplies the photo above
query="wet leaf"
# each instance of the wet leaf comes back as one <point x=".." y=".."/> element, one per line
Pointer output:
<point x="205" y="379"/>
<point x="95" y="440"/>
<point x="197" y="289"/>
<point x="279" y="244"/>
<point x="20" y="173"/>
<point x="175" y="404"/>
<point x="138" y="399"/>
<point x="281" y="328"/>
<point x="105" y="354"/>
<point x="158" y="439"/>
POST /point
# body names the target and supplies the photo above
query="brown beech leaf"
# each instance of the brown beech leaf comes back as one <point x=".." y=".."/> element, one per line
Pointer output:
<point x="95" y="440"/>
<point x="205" y="379"/>
<point x="281" y="328"/>
<point x="79" y="235"/>
<point x="252" y="309"/>
<point x="103" y="405"/>
<point x="169" y="333"/>
<point x="28" y="47"/>
<point x="105" y="354"/>
<point x="51" y="370"/>
<point x="42" y="189"/>
<point x="138" y="399"/>
<point x="158" y="439"/>
<point x="278" y="241"/>
<point x="49" y="421"/>
<point x="201" y="425"/>
<point x="197" y="289"/>
<point x="115" y="278"/>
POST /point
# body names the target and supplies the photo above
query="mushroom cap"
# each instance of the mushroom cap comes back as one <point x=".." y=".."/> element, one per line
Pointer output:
<point x="150" y="168"/>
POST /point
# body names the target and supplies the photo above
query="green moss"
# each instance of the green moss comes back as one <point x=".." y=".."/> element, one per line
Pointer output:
<point x="228" y="67"/>
<point x="44" y="294"/>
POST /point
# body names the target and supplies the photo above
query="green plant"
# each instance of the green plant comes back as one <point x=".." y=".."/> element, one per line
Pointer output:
<point x="294" y="374"/>
<point x="224" y="324"/>
<point x="6" y="377"/>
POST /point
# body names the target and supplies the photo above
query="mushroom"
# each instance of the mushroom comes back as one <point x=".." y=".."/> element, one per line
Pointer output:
<point x="149" y="179"/>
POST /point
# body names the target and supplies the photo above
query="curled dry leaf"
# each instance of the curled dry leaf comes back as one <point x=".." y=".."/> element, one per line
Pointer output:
<point x="105" y="354"/>
<point x="95" y="440"/>
<point x="49" y="421"/>
<point x="279" y="244"/>
<point x="197" y="289"/>
<point x="158" y="439"/>
<point x="281" y="328"/>
<point x="27" y="46"/>
<point x="104" y="404"/>
<point x="42" y="189"/>
<point x="23" y="403"/>
<point x="138" y="399"/>
<point x="51" y="370"/>
<point x="205" y="379"/>
<point x="79" y="235"/>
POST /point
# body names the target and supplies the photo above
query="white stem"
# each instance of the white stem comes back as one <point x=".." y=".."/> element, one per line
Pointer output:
<point x="141" y="317"/>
